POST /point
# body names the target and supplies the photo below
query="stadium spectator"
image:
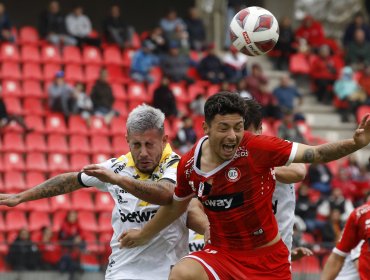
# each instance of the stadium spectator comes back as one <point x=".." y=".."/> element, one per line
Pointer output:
<point x="287" y="94"/>
<point x="358" y="22"/>
<point x="79" y="26"/>
<point x="5" y="26"/>
<point x="71" y="238"/>
<point x="175" y="65"/>
<point x="256" y="79"/>
<point x="179" y="37"/>
<point x="60" y="95"/>
<point x="169" y="22"/>
<point x="312" y="31"/>
<point x="332" y="229"/>
<point x="364" y="83"/>
<point x="235" y="64"/>
<point x="143" y="62"/>
<point x="197" y="105"/>
<point x="289" y="129"/>
<point x="164" y="99"/>
<point x="284" y="45"/>
<point x="157" y="38"/>
<point x="323" y="73"/>
<point x="143" y="179"/>
<point x="343" y="182"/>
<point x="83" y="104"/>
<point x="52" y="26"/>
<point x="116" y="30"/>
<point x="347" y="89"/>
<point x="196" y="30"/>
<point x="6" y="118"/>
<point x="186" y="136"/>
<point x="241" y="88"/>
<point x="102" y="97"/>
<point x="211" y="68"/>
<point x="270" y="107"/>
<point x="319" y="177"/>
<point x="358" y="51"/>
<point x="23" y="253"/>
<point x="50" y="249"/>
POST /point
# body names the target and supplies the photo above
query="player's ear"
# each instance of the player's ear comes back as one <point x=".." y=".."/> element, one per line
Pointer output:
<point x="165" y="139"/>
<point x="205" y="128"/>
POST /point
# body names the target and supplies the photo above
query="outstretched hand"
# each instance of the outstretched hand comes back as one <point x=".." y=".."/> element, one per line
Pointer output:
<point x="362" y="133"/>
<point x="10" y="200"/>
<point x="101" y="173"/>
<point x="132" y="238"/>
<point x="300" y="252"/>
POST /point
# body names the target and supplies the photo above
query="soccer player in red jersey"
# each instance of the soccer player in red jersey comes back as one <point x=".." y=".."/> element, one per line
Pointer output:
<point x="357" y="229"/>
<point x="231" y="173"/>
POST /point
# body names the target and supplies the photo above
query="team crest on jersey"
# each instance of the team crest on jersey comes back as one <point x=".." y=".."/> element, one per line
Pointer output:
<point x="233" y="174"/>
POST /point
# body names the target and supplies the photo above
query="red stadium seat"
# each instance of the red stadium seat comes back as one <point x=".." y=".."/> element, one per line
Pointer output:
<point x="60" y="203"/>
<point x="180" y="92"/>
<point x="105" y="249"/>
<point x="78" y="161"/>
<point x="11" y="71"/>
<point x="3" y="244"/>
<point x="137" y="93"/>
<point x="32" y="71"/>
<point x="212" y="89"/>
<point x="104" y="203"/>
<point x="79" y="144"/>
<point x="72" y="55"/>
<point x="300" y="63"/>
<point x="58" y="219"/>
<point x="50" y="70"/>
<point x="57" y="143"/>
<point x="118" y="126"/>
<point x="50" y="54"/>
<point x="74" y="73"/>
<point x="91" y="55"/>
<point x="13" y="105"/>
<point x="112" y="55"/>
<point x="58" y="163"/>
<point x="36" y="123"/>
<point x="30" y="54"/>
<point x="121" y="108"/>
<point x="100" y="144"/>
<point x="116" y="74"/>
<point x="127" y="57"/>
<point x="87" y="221"/>
<point x="28" y="35"/>
<point x="119" y="92"/>
<point x="194" y="90"/>
<point x="34" y="178"/>
<point x="92" y="73"/>
<point x="33" y="89"/>
<point x="120" y="145"/>
<point x="77" y="125"/>
<point x="14" y="181"/>
<point x="35" y="142"/>
<point x="55" y="123"/>
<point x="98" y="126"/>
<point x="100" y="157"/>
<point x="361" y="112"/>
<point x="92" y="245"/>
<point x="105" y="221"/>
<point x="9" y="53"/>
<point x="13" y="142"/>
<point x="13" y="161"/>
<point x="11" y="88"/>
<point x="36" y="161"/>
<point x="15" y="220"/>
<point x="82" y="200"/>
<point x="33" y="106"/>
<point x="38" y="220"/>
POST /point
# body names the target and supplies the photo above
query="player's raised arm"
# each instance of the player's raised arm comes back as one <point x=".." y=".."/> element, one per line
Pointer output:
<point x="164" y="217"/>
<point x="293" y="173"/>
<point x="60" y="184"/>
<point x="336" y="150"/>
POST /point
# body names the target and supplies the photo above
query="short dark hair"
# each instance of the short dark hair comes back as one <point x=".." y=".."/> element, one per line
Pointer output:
<point x="253" y="114"/>
<point x="223" y="103"/>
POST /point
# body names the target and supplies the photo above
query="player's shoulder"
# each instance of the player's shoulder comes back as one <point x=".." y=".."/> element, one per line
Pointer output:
<point x="362" y="210"/>
<point x="171" y="160"/>
<point x="116" y="164"/>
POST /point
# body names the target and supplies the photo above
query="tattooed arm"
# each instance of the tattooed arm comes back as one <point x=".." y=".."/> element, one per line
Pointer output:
<point x="336" y="150"/>
<point x="159" y="192"/>
<point x="57" y="185"/>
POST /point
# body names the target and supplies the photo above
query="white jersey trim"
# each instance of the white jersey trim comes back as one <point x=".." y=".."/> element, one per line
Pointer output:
<point x="213" y="272"/>
<point x="340" y="253"/>
<point x="292" y="153"/>
<point x="175" y="197"/>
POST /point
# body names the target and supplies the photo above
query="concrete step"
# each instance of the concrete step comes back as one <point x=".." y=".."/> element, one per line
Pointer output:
<point x="328" y="121"/>
<point x="332" y="134"/>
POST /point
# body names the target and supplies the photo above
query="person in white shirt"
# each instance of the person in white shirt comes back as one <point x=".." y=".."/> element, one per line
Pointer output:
<point x="139" y="182"/>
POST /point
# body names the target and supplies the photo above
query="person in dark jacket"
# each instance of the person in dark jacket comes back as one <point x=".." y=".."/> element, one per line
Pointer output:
<point x="358" y="22"/>
<point x="319" y="176"/>
<point x="164" y="99"/>
<point x="23" y="253"/>
<point x="5" y="26"/>
<point x="102" y="97"/>
<point x="196" y="30"/>
<point x="211" y="68"/>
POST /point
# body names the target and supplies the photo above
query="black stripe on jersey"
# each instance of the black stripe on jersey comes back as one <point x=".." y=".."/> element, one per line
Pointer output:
<point x="80" y="180"/>
<point x="168" y="179"/>
<point x="172" y="162"/>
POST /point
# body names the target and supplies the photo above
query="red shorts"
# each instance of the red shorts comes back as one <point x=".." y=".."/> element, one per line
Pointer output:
<point x="263" y="263"/>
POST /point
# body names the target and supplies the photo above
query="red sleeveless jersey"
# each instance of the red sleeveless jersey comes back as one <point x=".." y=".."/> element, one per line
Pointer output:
<point x="238" y="203"/>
